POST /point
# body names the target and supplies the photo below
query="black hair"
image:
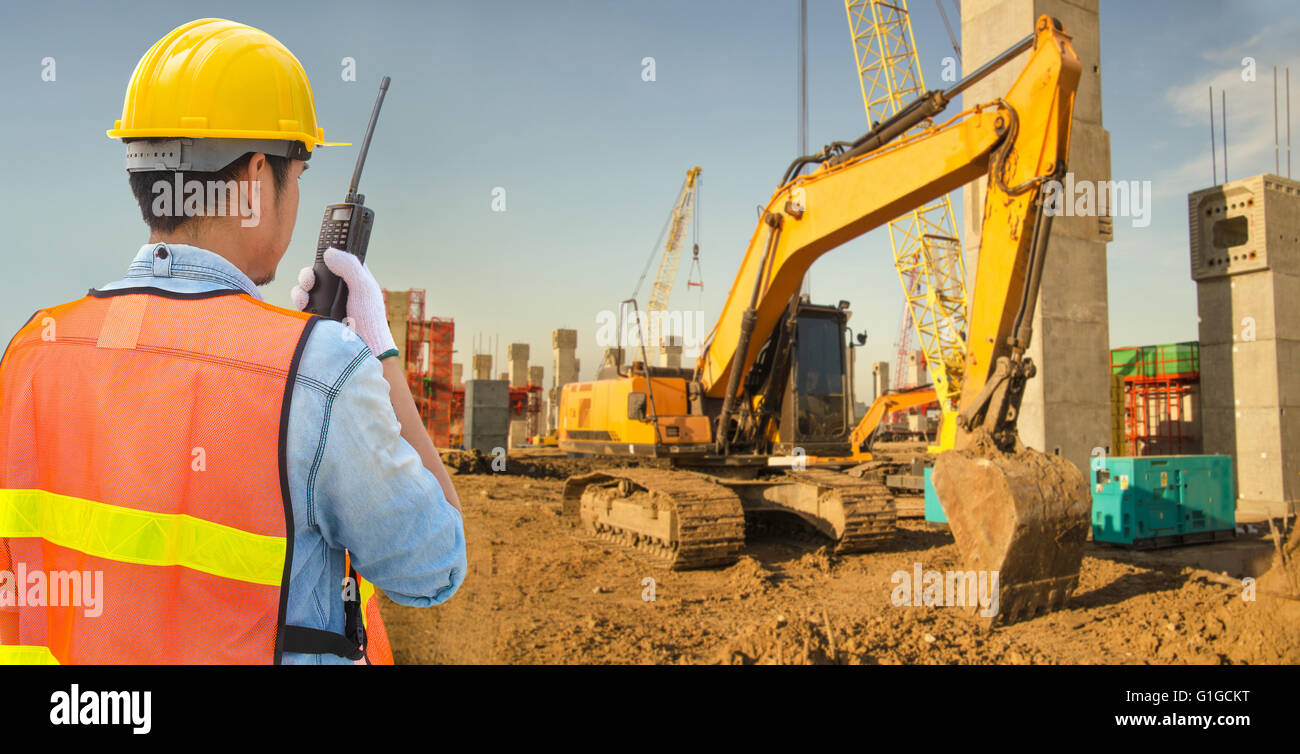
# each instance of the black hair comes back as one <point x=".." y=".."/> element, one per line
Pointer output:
<point x="143" y="186"/>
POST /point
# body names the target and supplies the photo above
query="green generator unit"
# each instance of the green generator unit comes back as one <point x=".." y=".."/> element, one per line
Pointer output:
<point x="1145" y="502"/>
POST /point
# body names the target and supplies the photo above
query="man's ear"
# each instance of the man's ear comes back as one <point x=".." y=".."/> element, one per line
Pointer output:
<point x="255" y="165"/>
<point x="253" y="171"/>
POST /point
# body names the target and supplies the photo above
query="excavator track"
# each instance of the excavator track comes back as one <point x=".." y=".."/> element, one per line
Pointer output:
<point x="683" y="520"/>
<point x="857" y="515"/>
<point x="870" y="518"/>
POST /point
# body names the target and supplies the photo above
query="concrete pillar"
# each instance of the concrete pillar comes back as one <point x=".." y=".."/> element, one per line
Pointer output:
<point x="487" y="416"/>
<point x="916" y="372"/>
<point x="854" y="395"/>
<point x="457" y="372"/>
<point x="482" y="366"/>
<point x="672" y="351"/>
<point x="517" y="353"/>
<point x="565" y="344"/>
<point x="610" y="363"/>
<point x="564" y="369"/>
<point x="1243" y="246"/>
<point x="880" y="378"/>
<point x="535" y="413"/>
<point x="1066" y="407"/>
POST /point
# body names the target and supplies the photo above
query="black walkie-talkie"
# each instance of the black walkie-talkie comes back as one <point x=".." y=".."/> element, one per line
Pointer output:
<point x="346" y="227"/>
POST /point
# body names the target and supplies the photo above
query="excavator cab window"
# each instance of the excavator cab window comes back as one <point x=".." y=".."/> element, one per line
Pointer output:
<point x="819" y="378"/>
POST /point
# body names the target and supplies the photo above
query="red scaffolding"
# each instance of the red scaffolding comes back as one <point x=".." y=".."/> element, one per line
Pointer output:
<point x="1158" y="399"/>
<point x="428" y="367"/>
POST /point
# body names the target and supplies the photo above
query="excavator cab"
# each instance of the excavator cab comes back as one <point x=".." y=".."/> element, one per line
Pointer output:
<point x="802" y="379"/>
<point x="814" y="409"/>
<point x="817" y="410"/>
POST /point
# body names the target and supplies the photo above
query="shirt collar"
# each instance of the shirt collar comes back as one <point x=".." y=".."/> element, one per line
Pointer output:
<point x="178" y="260"/>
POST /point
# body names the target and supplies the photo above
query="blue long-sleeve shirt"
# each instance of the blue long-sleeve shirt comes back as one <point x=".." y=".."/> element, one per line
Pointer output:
<point x="355" y="484"/>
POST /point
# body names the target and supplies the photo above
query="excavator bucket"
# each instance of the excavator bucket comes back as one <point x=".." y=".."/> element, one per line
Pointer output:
<point x="1021" y="515"/>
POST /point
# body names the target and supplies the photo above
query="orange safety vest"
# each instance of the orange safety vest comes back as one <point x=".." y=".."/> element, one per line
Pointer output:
<point x="142" y="441"/>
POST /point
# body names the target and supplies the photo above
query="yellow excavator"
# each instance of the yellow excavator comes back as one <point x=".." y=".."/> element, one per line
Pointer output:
<point x="762" y="423"/>
<point x="860" y="440"/>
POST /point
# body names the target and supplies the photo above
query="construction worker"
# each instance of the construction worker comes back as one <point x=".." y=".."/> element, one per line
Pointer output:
<point x="212" y="471"/>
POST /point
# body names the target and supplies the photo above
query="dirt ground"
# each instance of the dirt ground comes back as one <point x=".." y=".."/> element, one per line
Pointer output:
<point x="538" y="592"/>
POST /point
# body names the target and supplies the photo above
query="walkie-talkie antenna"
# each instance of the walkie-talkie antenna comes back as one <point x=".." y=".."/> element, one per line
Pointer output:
<point x="365" y="143"/>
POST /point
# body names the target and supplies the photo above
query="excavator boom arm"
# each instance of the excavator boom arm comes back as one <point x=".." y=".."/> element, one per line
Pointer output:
<point x="1019" y="141"/>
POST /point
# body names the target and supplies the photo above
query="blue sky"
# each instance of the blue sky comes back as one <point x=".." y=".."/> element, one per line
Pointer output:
<point x="546" y="100"/>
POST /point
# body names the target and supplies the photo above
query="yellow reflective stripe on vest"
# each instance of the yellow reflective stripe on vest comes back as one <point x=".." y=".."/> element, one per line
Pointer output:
<point x="134" y="536"/>
<point x="366" y="591"/>
<point x="26" y="656"/>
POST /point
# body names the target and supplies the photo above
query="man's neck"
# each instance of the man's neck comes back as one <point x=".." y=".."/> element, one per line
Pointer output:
<point x="214" y="241"/>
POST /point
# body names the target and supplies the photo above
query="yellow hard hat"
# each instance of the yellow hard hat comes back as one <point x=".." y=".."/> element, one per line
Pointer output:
<point x="212" y="90"/>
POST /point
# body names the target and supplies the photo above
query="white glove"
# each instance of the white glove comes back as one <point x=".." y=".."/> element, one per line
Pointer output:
<point x="367" y="315"/>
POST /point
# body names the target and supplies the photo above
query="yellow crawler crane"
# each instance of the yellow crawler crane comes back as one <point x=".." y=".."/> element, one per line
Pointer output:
<point x="751" y="428"/>
<point x="927" y="253"/>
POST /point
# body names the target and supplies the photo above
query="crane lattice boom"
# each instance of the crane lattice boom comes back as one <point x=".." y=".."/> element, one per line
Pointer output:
<point x="926" y="250"/>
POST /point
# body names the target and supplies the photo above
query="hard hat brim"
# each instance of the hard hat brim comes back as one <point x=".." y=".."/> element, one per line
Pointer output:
<point x="202" y="154"/>
<point x="189" y="133"/>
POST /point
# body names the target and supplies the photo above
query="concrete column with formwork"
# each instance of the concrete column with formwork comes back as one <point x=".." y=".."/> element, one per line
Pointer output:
<point x="487" y="416"/>
<point x="457" y="375"/>
<point x="535" y="377"/>
<point x="397" y="306"/>
<point x="880" y="378"/>
<point x="564" y="369"/>
<point x="671" y="351"/>
<point x="482" y="366"/>
<point x="1244" y="238"/>
<point x="517" y="354"/>
<point x="1066" y="407"/>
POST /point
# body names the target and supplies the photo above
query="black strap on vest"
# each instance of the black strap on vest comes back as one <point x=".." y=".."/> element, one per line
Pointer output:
<point x="315" y="641"/>
<point x="353" y="626"/>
